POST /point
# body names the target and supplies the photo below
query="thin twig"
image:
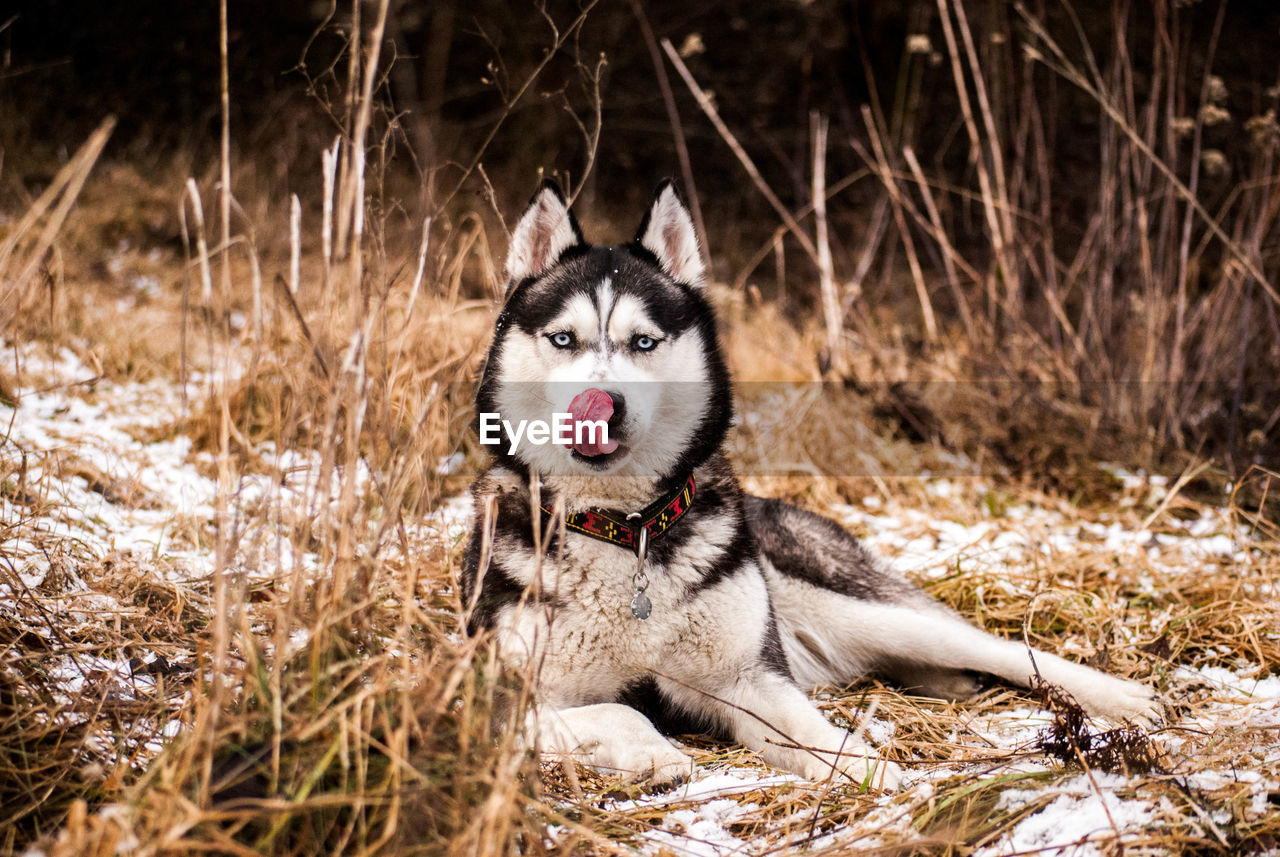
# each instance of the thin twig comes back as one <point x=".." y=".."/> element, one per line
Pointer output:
<point x="895" y="201"/>
<point x="826" y="274"/>
<point x="994" y="221"/>
<point x="704" y="101"/>
<point x="559" y="40"/>
<point x="1063" y="67"/>
<point x="673" y="116"/>
<point x="949" y="252"/>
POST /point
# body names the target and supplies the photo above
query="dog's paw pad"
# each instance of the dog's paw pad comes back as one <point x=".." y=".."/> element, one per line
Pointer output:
<point x="668" y="775"/>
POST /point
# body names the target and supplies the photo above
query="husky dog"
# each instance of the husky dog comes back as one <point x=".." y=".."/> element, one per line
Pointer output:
<point x="628" y="571"/>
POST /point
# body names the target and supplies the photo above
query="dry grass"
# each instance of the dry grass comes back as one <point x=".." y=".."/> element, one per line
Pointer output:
<point x="1094" y="606"/>
<point x="300" y="686"/>
<point x="327" y="707"/>
<point x="1134" y="304"/>
<point x="352" y="718"/>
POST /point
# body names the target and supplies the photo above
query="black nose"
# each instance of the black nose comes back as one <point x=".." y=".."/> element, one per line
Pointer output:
<point x="619" y="409"/>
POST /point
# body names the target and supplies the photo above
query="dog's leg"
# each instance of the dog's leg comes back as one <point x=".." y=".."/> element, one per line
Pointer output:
<point x="937" y="682"/>
<point x="837" y="639"/>
<point x="953" y="643"/>
<point x="769" y="714"/>
<point x="613" y="738"/>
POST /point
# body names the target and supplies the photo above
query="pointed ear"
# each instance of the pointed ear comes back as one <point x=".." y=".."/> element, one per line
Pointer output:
<point x="667" y="232"/>
<point x="546" y="229"/>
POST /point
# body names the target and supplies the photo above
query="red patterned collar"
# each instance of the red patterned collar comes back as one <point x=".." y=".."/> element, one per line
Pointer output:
<point x="658" y="517"/>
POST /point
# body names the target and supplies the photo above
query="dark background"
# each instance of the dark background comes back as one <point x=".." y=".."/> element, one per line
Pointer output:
<point x="155" y="65"/>
<point x="449" y="70"/>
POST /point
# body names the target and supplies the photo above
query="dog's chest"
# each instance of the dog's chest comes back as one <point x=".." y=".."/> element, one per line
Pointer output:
<point x="595" y="584"/>
<point x="590" y="644"/>
<point x="599" y="579"/>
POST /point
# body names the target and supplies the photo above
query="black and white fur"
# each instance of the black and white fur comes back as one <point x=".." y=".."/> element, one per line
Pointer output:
<point x="753" y="600"/>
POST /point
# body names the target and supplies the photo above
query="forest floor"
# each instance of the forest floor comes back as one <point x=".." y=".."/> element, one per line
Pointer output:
<point x="107" y="533"/>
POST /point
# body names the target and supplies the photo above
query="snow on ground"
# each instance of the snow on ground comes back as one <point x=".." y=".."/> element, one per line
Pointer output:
<point x="1081" y="812"/>
<point x="925" y="546"/>
<point x="113" y="474"/>
<point x="109" y="472"/>
<point x="77" y="447"/>
<point x="1084" y="814"/>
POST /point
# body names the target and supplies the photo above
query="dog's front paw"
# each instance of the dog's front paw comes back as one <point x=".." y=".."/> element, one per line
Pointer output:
<point x="1121" y="699"/>
<point x="874" y="774"/>
<point x="614" y="739"/>
<point x="860" y="766"/>
<point x="658" y="766"/>
<point x="651" y="763"/>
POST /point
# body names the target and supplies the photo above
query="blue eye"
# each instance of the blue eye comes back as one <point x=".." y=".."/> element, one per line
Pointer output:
<point x="644" y="343"/>
<point x="563" y="339"/>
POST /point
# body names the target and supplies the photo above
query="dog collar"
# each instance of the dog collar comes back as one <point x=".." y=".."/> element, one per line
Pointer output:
<point x="649" y="523"/>
<point x="655" y="519"/>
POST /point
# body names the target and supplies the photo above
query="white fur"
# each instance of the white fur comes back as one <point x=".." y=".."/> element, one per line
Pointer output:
<point x="539" y="380"/>
<point x="589" y="734"/>
<point x="574" y="629"/>
<point x="703" y="652"/>
<point x="670" y="236"/>
<point x="543" y="233"/>
<point x="831" y="639"/>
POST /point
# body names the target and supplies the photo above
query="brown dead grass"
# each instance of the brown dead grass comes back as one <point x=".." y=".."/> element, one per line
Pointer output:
<point x="376" y="732"/>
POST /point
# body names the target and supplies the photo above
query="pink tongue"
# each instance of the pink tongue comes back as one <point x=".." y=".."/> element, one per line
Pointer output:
<point x="591" y="405"/>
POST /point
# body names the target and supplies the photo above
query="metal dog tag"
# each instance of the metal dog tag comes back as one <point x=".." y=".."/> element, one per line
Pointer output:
<point x="641" y="606"/>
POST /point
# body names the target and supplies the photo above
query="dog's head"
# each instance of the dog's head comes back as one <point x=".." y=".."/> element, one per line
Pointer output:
<point x="613" y="348"/>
